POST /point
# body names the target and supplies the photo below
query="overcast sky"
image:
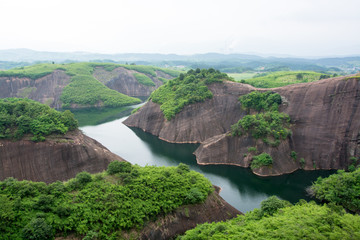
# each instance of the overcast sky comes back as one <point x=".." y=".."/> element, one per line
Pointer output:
<point x="293" y="27"/>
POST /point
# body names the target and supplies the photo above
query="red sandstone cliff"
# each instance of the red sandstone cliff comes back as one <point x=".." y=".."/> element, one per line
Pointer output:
<point x="57" y="158"/>
<point x="324" y="117"/>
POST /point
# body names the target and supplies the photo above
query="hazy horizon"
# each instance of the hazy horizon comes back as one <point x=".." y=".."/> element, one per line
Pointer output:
<point x="310" y="29"/>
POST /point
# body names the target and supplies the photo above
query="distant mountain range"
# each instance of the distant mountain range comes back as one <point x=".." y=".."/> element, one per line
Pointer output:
<point x="224" y="62"/>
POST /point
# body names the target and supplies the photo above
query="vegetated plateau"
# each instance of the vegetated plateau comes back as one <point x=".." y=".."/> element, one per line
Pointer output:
<point x="77" y="85"/>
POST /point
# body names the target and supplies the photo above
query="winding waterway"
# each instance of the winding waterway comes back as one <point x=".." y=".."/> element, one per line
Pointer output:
<point x="240" y="187"/>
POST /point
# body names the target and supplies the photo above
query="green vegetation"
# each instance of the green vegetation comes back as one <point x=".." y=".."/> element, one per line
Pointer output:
<point x="302" y="221"/>
<point x="186" y="89"/>
<point x="103" y="205"/>
<point x="283" y="78"/>
<point x="143" y="79"/>
<point x="19" y="117"/>
<point x="261" y="160"/>
<point x="263" y="125"/>
<point x="270" y="125"/>
<point x="86" y="90"/>
<point x="261" y="101"/>
<point x="293" y="155"/>
<point x="342" y="188"/>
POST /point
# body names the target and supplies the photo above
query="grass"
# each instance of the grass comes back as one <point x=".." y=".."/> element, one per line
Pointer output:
<point x="279" y="79"/>
<point x="242" y="76"/>
<point x="143" y="79"/>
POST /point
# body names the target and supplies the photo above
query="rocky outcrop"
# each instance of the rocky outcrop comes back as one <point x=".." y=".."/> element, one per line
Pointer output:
<point x="57" y="158"/>
<point x="324" y="122"/>
<point x="46" y="90"/>
<point x="123" y="81"/>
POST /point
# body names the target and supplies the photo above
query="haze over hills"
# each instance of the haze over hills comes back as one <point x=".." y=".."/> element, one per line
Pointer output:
<point x="229" y="63"/>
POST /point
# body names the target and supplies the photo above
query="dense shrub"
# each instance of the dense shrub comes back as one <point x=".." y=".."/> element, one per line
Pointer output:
<point x="118" y="167"/>
<point x="342" y="188"/>
<point x="37" y="229"/>
<point x="261" y="160"/>
<point x="263" y="125"/>
<point x="270" y="125"/>
<point x="261" y="100"/>
<point x="271" y="205"/>
<point x="23" y="116"/>
<point x="186" y="89"/>
<point x="100" y="206"/>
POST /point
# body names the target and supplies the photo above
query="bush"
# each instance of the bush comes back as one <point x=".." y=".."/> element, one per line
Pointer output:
<point x="261" y="160"/>
<point x="38" y="229"/>
<point x="342" y="188"/>
<point x="261" y="100"/>
<point x="118" y="167"/>
<point x="83" y="178"/>
<point x="271" y="205"/>
<point x="194" y="196"/>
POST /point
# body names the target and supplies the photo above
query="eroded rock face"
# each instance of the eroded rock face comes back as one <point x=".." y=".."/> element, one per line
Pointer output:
<point x="324" y="121"/>
<point x="46" y="90"/>
<point x="58" y="158"/>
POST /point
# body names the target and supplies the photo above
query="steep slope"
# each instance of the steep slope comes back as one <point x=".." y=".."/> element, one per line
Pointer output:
<point x="323" y="117"/>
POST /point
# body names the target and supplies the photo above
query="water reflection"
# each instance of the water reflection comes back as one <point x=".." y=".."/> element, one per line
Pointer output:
<point x="240" y="187"/>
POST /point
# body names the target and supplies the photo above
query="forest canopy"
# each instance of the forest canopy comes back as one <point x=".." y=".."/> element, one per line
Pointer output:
<point x="105" y="204"/>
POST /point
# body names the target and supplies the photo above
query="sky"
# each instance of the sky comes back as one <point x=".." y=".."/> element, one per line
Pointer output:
<point x="270" y="27"/>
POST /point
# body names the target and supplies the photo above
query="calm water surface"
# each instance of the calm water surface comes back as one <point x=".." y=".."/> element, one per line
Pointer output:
<point x="240" y="187"/>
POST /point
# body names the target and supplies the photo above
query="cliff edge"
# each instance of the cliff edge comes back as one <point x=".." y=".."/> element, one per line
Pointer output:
<point x="57" y="158"/>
